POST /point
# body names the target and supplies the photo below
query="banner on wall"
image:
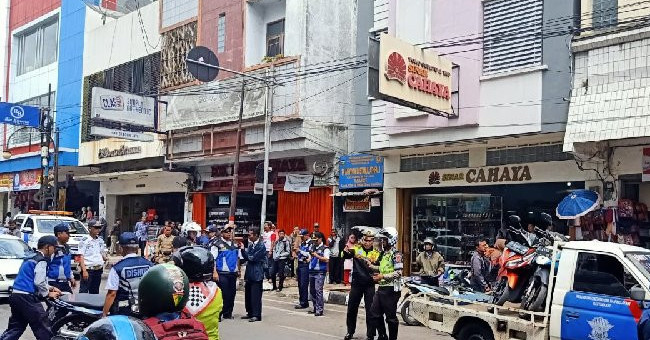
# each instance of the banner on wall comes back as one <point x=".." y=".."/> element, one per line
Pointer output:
<point x="298" y="182"/>
<point x="645" y="164"/>
<point x="356" y="206"/>
<point x="27" y="180"/>
<point x="6" y="182"/>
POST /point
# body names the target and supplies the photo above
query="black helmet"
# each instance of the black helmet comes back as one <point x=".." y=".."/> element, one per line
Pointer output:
<point x="545" y="220"/>
<point x="197" y="263"/>
<point x="514" y="221"/>
<point x="117" y="327"/>
<point x="163" y="289"/>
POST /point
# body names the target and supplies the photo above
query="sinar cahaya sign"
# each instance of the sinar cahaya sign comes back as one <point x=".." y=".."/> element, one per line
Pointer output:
<point x="513" y="173"/>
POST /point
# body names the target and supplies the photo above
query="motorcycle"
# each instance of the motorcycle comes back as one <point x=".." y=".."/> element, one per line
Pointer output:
<point x="537" y="288"/>
<point x="413" y="286"/>
<point x="71" y="314"/>
<point x="515" y="268"/>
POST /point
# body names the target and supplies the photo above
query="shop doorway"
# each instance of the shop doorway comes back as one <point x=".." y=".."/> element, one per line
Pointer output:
<point x="167" y="206"/>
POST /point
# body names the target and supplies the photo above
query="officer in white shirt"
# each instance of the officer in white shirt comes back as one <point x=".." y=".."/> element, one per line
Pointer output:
<point x="93" y="256"/>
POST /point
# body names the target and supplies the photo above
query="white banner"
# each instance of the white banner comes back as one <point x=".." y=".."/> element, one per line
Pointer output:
<point x="105" y="132"/>
<point x="122" y="107"/>
<point x="298" y="183"/>
<point x="220" y="106"/>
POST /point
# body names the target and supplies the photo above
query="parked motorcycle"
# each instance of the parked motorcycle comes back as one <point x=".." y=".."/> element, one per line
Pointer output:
<point x="413" y="286"/>
<point x="71" y="314"/>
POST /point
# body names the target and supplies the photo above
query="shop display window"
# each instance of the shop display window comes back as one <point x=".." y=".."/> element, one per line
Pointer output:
<point x="454" y="221"/>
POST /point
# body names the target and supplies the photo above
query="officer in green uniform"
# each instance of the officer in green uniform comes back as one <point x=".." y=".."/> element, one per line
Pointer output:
<point x="384" y="303"/>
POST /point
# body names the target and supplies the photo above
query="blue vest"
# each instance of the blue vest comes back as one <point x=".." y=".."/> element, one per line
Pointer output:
<point x="316" y="265"/>
<point x="304" y="246"/>
<point x="60" y="268"/>
<point x="226" y="261"/>
<point x="130" y="270"/>
<point x="25" y="279"/>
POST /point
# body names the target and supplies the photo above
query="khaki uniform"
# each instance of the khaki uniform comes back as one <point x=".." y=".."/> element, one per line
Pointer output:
<point x="164" y="245"/>
<point x="433" y="265"/>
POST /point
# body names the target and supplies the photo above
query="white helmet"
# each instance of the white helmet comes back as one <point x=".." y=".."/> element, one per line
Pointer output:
<point x="190" y="226"/>
<point x="391" y="234"/>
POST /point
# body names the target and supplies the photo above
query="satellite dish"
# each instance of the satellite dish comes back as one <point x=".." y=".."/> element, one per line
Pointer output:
<point x="203" y="64"/>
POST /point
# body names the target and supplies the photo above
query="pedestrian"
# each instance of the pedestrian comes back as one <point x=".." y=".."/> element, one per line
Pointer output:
<point x="362" y="285"/>
<point x="316" y="227"/>
<point x="176" y="228"/>
<point x="124" y="278"/>
<point x="281" y="254"/>
<point x="93" y="256"/>
<point x="384" y="303"/>
<point x="115" y="234"/>
<point x="164" y="246"/>
<point x="347" y="263"/>
<point x="254" y="255"/>
<point x="267" y="239"/>
<point x="303" y="270"/>
<point x="7" y="218"/>
<point x="13" y="229"/>
<point x="295" y="240"/>
<point x="82" y="215"/>
<point x="142" y="234"/>
<point x="431" y="263"/>
<point x="89" y="214"/>
<point x="59" y="270"/>
<point x="480" y="268"/>
<point x="29" y="289"/>
<point x="336" y="262"/>
<point x="226" y="254"/>
<point x="319" y="257"/>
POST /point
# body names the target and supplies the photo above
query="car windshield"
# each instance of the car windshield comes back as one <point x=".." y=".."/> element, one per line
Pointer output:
<point x="13" y="249"/>
<point x="641" y="260"/>
<point x="47" y="226"/>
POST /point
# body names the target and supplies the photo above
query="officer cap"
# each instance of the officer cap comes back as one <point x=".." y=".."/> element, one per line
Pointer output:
<point x="304" y="232"/>
<point x="47" y="240"/>
<point x="94" y="224"/>
<point x="128" y="238"/>
<point x="213" y="228"/>
<point x="226" y="227"/>
<point x="61" y="228"/>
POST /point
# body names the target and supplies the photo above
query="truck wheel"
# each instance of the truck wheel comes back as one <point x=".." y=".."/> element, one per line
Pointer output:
<point x="475" y="332"/>
<point x="409" y="320"/>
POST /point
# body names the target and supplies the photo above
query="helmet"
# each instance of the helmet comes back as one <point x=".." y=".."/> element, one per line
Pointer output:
<point x="197" y="263"/>
<point x="514" y="221"/>
<point x="190" y="226"/>
<point x="430" y="241"/>
<point x="545" y="220"/>
<point x="117" y="327"/>
<point x="391" y="234"/>
<point x="163" y="289"/>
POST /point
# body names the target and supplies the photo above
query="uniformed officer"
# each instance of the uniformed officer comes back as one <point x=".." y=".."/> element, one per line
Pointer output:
<point x="303" y="270"/>
<point x="226" y="254"/>
<point x="164" y="246"/>
<point x="319" y="257"/>
<point x="59" y="270"/>
<point x="29" y="289"/>
<point x="384" y="303"/>
<point x="124" y="278"/>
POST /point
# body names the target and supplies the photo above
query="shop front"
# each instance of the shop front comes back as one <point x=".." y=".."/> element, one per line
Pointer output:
<point x="457" y="207"/>
<point x="18" y="190"/>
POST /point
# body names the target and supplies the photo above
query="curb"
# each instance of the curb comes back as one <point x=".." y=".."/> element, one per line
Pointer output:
<point x="331" y="297"/>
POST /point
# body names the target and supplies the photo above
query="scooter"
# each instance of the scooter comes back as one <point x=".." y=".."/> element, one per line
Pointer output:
<point x="413" y="286"/>
<point x="70" y="314"/>
<point x="515" y="268"/>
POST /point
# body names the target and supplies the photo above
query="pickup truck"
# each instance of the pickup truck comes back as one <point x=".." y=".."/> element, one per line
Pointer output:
<point x="599" y="293"/>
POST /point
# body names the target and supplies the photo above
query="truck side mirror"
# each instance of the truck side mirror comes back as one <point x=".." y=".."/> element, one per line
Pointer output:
<point x="637" y="293"/>
<point x="27" y="230"/>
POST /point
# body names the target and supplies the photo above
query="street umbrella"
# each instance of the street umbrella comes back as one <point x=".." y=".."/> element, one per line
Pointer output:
<point x="576" y="204"/>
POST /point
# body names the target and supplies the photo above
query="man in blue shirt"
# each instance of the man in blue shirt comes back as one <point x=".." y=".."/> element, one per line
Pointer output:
<point x="141" y="233"/>
<point x="59" y="270"/>
<point x="29" y="290"/>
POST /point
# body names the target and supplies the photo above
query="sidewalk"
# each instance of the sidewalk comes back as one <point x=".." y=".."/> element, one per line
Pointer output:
<point x="332" y="293"/>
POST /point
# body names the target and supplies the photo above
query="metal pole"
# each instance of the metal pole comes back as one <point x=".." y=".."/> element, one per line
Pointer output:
<point x="43" y="159"/>
<point x="268" y="109"/>
<point x="235" y="179"/>
<point x="56" y="169"/>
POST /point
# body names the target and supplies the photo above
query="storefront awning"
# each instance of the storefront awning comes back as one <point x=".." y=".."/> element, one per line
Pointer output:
<point x="120" y="175"/>
<point x="367" y="192"/>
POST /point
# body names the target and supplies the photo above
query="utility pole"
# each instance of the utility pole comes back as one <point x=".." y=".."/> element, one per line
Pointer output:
<point x="46" y="137"/>
<point x="235" y="177"/>
<point x="268" y="109"/>
<point x="56" y="169"/>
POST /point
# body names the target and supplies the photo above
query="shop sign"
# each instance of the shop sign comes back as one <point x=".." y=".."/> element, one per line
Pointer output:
<point x="298" y="182"/>
<point x="361" y="171"/>
<point x="122" y="134"/>
<point x="27" y="180"/>
<point x="414" y="75"/>
<point x="122" y="107"/>
<point x="356" y="206"/>
<point x="515" y="173"/>
<point x="20" y="115"/>
<point x="121" y="151"/>
<point x="6" y="182"/>
<point x="645" y="165"/>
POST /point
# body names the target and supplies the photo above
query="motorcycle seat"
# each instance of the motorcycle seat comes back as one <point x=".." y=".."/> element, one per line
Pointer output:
<point x="91" y="301"/>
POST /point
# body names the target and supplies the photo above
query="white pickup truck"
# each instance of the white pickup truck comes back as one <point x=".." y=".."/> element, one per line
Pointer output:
<point x="599" y="293"/>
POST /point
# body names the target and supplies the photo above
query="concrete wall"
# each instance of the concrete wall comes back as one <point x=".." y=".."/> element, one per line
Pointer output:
<point x="258" y="14"/>
<point x="4" y="50"/>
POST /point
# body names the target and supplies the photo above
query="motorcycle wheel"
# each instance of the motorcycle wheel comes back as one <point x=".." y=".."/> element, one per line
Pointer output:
<point x="501" y="292"/>
<point x="409" y="320"/>
<point x="72" y="323"/>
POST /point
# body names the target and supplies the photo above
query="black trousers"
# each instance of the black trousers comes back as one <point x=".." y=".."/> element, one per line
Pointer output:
<point x="143" y="245"/>
<point x="336" y="270"/>
<point x="26" y="310"/>
<point x="385" y="304"/>
<point x="91" y="285"/>
<point x="303" y="284"/>
<point x="253" y="298"/>
<point x="228" y="285"/>
<point x="278" y="270"/>
<point x="63" y="286"/>
<point x="354" y="300"/>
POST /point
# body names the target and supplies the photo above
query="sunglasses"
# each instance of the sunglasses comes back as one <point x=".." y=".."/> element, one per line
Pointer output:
<point x="368" y="240"/>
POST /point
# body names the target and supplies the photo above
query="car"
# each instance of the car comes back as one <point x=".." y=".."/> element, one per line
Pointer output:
<point x="34" y="225"/>
<point x="12" y="253"/>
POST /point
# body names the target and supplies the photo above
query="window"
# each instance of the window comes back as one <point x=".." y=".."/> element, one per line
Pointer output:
<point x="275" y="38"/>
<point x="605" y="13"/>
<point x="221" y="33"/>
<point x="38" y="46"/>
<point x="602" y="274"/>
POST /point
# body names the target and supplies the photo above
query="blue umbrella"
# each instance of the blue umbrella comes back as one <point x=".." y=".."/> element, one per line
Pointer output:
<point x="577" y="203"/>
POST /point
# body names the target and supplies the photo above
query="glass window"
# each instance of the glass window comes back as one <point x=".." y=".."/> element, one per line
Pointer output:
<point x="641" y="261"/>
<point x="47" y="226"/>
<point x="38" y="47"/>
<point x="602" y="274"/>
<point x="605" y="13"/>
<point x="50" y="43"/>
<point x="275" y="38"/>
<point x="29" y="52"/>
<point x="221" y="33"/>
<point x="13" y="249"/>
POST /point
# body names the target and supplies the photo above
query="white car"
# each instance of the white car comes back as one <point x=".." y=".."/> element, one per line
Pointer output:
<point x="12" y="252"/>
<point x="34" y="226"/>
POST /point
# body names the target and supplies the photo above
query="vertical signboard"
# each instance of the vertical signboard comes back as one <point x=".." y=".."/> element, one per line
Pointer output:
<point x="361" y="171"/>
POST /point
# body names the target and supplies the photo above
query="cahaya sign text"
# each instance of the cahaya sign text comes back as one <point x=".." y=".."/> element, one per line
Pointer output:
<point x="514" y="173"/>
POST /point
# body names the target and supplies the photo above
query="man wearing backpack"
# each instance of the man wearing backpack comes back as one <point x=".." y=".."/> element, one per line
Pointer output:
<point x="281" y="253"/>
<point x="164" y="292"/>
